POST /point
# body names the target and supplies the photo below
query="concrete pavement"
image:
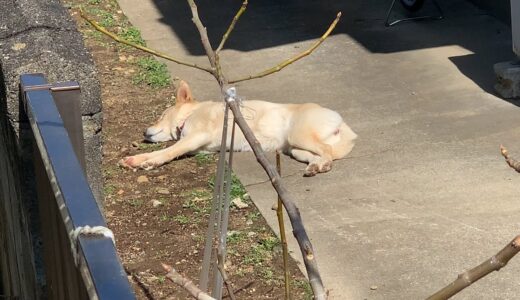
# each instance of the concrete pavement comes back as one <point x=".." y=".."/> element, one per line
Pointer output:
<point x="425" y="193"/>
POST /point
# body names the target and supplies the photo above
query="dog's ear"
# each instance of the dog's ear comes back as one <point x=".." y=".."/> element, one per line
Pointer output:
<point x="183" y="93"/>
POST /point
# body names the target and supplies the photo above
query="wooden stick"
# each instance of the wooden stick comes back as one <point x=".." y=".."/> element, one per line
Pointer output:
<point x="142" y="48"/>
<point x="287" y="62"/>
<point x="513" y="163"/>
<point x="283" y="238"/>
<point x="467" y="278"/>
<point x="185" y="283"/>
<point x="231" y="27"/>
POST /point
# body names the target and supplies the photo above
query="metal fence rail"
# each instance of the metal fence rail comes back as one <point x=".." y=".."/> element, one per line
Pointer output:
<point x="79" y="263"/>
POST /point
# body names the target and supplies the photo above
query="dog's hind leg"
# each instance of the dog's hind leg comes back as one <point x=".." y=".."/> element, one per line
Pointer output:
<point x="310" y="158"/>
<point x="311" y="149"/>
<point x="303" y="155"/>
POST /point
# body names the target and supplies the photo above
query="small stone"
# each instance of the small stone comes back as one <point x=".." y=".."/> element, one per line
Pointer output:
<point x="163" y="191"/>
<point x="18" y="46"/>
<point x="135" y="144"/>
<point x="249" y="222"/>
<point x="239" y="203"/>
<point x="246" y="197"/>
<point x="373" y="287"/>
<point x="142" y="179"/>
<point x="123" y="58"/>
<point x="120" y="192"/>
<point x="275" y="206"/>
<point x="156" y="203"/>
<point x="251" y="234"/>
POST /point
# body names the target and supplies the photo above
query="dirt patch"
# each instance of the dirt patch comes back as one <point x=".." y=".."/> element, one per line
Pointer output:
<point x="161" y="215"/>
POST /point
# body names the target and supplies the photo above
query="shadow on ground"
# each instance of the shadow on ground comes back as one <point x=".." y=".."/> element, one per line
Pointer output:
<point x="271" y="23"/>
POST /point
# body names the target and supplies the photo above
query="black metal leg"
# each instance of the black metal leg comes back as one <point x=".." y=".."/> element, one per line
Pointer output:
<point x="438" y="17"/>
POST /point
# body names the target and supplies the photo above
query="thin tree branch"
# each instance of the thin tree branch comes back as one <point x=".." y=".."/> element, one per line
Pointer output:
<point x="185" y="283"/>
<point x="285" y="63"/>
<point x="513" y="163"/>
<point x="283" y="238"/>
<point x="231" y="26"/>
<point x="142" y="48"/>
<point x="467" y="278"/>
<point x="205" y="41"/>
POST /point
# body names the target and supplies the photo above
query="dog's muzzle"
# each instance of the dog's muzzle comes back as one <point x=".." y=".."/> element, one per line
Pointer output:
<point x="156" y="135"/>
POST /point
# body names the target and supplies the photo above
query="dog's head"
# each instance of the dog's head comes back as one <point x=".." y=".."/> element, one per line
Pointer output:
<point x="170" y="124"/>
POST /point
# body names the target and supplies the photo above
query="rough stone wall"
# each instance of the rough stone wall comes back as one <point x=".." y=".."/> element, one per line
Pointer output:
<point x="36" y="36"/>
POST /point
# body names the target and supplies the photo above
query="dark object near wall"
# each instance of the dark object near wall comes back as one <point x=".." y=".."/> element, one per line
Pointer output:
<point x="412" y="5"/>
<point x="500" y="9"/>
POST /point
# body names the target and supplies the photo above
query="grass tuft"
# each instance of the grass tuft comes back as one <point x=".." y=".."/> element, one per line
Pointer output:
<point x="133" y="35"/>
<point x="152" y="72"/>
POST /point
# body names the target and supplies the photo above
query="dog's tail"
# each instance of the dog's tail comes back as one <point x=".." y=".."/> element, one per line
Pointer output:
<point x="346" y="142"/>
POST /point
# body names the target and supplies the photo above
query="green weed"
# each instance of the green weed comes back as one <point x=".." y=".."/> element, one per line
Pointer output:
<point x="182" y="219"/>
<point x="236" y="237"/>
<point x="150" y="146"/>
<point x="152" y="72"/>
<point x="307" y="290"/>
<point x="109" y="189"/>
<point x="262" y="251"/>
<point x="253" y="216"/>
<point x="165" y="218"/>
<point x="133" y="35"/>
<point x="204" y="158"/>
<point x="106" y="19"/>
<point x="198" y="201"/>
<point x="237" y="188"/>
<point x="135" y="202"/>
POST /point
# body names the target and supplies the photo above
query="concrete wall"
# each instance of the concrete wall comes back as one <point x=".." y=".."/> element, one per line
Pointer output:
<point x="498" y="8"/>
<point x="36" y="36"/>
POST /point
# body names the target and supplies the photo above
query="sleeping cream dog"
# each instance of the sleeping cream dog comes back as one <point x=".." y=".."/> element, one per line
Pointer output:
<point x="308" y="132"/>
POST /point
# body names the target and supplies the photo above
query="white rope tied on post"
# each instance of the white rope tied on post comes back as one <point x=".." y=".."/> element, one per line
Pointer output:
<point x="88" y="230"/>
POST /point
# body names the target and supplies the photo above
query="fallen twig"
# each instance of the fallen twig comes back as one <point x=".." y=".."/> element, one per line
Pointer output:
<point x="140" y="47"/>
<point x="301" y="55"/>
<point x="513" y="163"/>
<point x="185" y="283"/>
<point x="467" y="278"/>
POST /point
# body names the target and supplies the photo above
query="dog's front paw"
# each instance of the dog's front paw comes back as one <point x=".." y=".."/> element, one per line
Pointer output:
<point x="133" y="162"/>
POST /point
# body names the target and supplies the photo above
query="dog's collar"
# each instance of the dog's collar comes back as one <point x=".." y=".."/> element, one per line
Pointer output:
<point x="179" y="129"/>
<point x="182" y="125"/>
